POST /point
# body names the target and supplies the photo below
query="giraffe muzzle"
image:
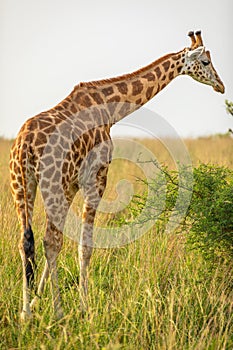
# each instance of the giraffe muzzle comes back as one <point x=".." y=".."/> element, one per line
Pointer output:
<point x="219" y="87"/>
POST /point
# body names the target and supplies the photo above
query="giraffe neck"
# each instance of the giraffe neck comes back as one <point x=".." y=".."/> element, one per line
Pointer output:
<point x="122" y="95"/>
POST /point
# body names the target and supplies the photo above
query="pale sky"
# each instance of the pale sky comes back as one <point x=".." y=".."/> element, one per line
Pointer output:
<point x="47" y="47"/>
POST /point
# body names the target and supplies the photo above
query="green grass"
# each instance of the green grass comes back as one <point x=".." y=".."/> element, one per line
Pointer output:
<point x="150" y="294"/>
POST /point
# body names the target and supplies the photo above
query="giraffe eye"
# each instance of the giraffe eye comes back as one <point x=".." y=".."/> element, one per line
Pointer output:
<point x="205" y="63"/>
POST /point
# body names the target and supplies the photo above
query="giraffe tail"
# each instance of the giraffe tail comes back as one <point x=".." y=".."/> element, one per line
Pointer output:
<point x="29" y="249"/>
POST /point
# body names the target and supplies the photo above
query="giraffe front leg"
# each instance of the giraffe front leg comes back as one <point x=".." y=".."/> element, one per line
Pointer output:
<point x="93" y="192"/>
<point x="85" y="250"/>
<point x="41" y="286"/>
<point x="52" y="244"/>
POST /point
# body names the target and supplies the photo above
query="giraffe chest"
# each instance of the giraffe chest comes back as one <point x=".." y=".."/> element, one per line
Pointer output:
<point x="91" y="157"/>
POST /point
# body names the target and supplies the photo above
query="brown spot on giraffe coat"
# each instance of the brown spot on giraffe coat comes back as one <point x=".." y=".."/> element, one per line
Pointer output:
<point x="137" y="87"/>
<point x="108" y="91"/>
<point x="85" y="101"/>
<point x="149" y="92"/>
<point x="158" y="72"/>
<point x="96" y="97"/>
<point x="171" y="75"/>
<point x="166" y="65"/>
<point x="149" y="76"/>
<point x="122" y="87"/>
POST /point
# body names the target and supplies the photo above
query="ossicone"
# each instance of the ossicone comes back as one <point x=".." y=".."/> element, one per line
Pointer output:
<point x="196" y="39"/>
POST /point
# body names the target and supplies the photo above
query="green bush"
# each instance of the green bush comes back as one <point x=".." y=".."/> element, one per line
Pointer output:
<point x="208" y="222"/>
<point x="211" y="212"/>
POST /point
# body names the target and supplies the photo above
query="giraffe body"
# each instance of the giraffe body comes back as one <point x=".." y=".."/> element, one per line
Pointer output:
<point x="69" y="148"/>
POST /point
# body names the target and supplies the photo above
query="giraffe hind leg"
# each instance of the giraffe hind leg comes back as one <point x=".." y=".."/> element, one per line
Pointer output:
<point x="26" y="244"/>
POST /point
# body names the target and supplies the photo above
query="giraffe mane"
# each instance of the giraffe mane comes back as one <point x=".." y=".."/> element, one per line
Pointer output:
<point x="125" y="76"/>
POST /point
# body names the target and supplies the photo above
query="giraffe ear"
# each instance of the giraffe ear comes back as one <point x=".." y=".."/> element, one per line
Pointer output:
<point x="194" y="54"/>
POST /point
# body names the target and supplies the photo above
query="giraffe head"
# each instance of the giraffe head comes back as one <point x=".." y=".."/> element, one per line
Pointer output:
<point x="198" y="64"/>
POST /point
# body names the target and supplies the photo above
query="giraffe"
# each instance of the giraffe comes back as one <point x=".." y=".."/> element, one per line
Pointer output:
<point x="68" y="148"/>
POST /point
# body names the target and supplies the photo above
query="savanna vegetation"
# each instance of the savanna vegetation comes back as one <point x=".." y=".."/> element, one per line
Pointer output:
<point x="161" y="291"/>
